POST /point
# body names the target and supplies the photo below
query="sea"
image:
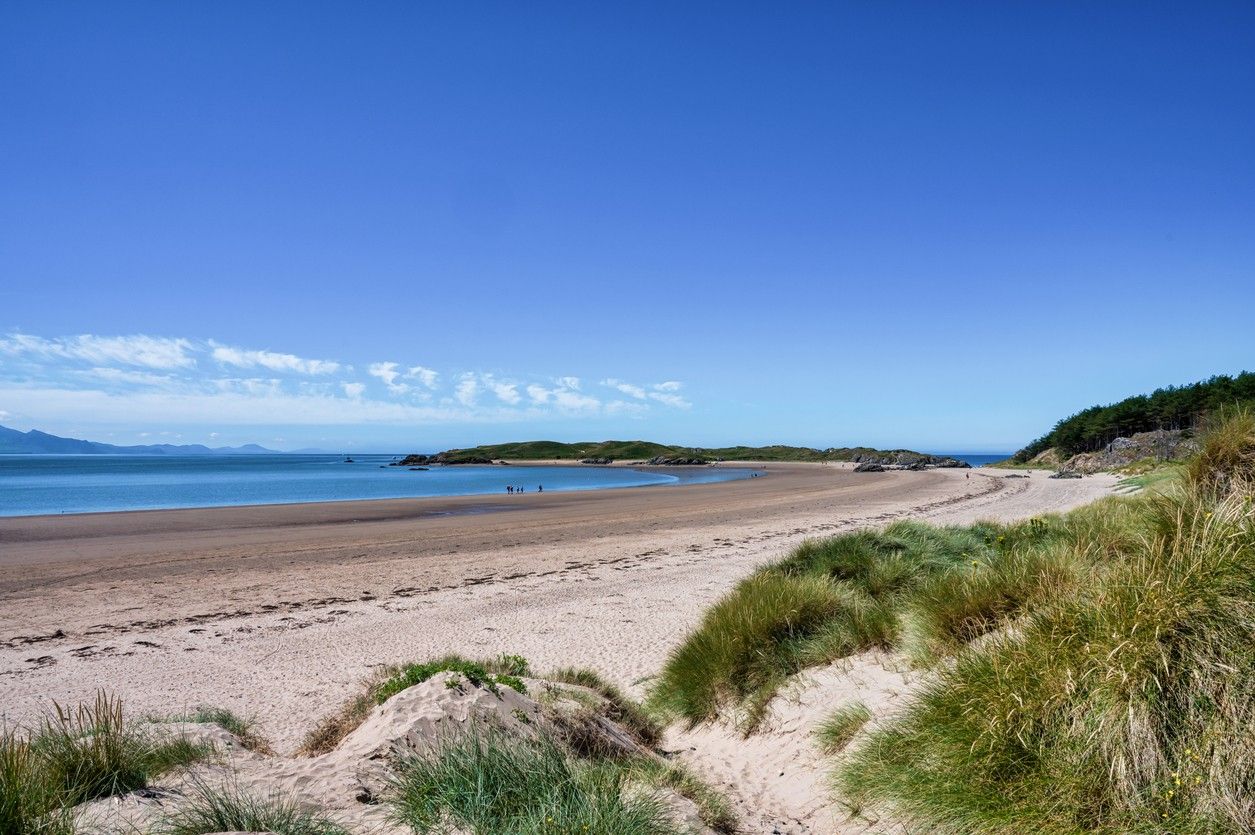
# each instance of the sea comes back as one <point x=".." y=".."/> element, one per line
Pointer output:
<point x="55" y="484"/>
<point x="978" y="459"/>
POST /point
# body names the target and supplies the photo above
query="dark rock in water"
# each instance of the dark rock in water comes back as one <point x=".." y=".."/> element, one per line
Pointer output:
<point x="869" y="467"/>
<point x="601" y="461"/>
<point x="418" y="469"/>
<point x="413" y="461"/>
<point x="1066" y="474"/>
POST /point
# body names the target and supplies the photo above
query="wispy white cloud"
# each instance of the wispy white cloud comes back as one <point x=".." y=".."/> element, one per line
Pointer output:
<point x="137" y="350"/>
<point x="506" y="392"/>
<point x="388" y="372"/>
<point x="270" y="360"/>
<point x="467" y="391"/>
<point x="353" y="390"/>
<point x="131" y="377"/>
<point x="626" y="388"/>
<point x="425" y="376"/>
<point x="664" y="393"/>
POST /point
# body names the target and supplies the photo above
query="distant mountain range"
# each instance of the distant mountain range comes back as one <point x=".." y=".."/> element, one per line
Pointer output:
<point x="34" y="442"/>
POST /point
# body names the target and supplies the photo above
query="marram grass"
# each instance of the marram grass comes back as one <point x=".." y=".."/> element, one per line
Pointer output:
<point x="81" y="754"/>
<point x="209" y="809"/>
<point x="485" y="782"/>
<point x="921" y="590"/>
<point x="1124" y="704"/>
<point x="841" y="726"/>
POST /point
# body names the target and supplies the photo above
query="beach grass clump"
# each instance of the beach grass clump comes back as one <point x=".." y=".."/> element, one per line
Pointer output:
<point x="477" y="673"/>
<point x="1124" y="705"/>
<point x="229" y="809"/>
<point x="617" y="707"/>
<point x="749" y="642"/>
<point x="949" y="610"/>
<point x="245" y="730"/>
<point x="92" y="751"/>
<point x="1227" y="452"/>
<point x="81" y="754"/>
<point x="502" y="670"/>
<point x="485" y="782"/>
<point x="832" y="598"/>
<point x="840" y="726"/>
<point x="925" y="592"/>
<point x="30" y="803"/>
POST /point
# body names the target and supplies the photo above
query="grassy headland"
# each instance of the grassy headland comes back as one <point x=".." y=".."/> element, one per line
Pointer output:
<point x="648" y="450"/>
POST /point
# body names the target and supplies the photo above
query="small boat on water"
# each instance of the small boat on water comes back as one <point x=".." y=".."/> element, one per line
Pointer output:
<point x="349" y="460"/>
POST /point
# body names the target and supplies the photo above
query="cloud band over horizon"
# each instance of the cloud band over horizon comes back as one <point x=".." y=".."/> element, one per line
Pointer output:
<point x="180" y="381"/>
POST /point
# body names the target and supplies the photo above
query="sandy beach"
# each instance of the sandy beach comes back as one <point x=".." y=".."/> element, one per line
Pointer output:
<point x="278" y="612"/>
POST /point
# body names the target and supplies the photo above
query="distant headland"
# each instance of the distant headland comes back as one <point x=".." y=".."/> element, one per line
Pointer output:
<point x="648" y="452"/>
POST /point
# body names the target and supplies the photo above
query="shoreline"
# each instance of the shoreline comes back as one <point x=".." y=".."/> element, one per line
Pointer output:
<point x="37" y="527"/>
<point x="645" y="468"/>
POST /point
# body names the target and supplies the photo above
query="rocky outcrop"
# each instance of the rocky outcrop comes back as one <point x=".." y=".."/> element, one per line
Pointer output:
<point x="446" y="459"/>
<point x="904" y="460"/>
<point x="1066" y="474"/>
<point x="1159" y="445"/>
<point x="676" y="460"/>
<point x="600" y="461"/>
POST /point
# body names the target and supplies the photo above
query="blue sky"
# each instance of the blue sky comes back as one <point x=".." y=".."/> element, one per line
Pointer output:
<point x="406" y="226"/>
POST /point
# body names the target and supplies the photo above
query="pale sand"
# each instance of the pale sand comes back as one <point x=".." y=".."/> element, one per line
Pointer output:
<point x="278" y="612"/>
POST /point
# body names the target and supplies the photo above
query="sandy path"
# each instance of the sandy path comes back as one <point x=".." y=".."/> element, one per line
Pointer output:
<point x="279" y="612"/>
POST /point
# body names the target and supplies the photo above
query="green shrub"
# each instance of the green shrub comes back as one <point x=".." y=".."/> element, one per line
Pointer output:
<point x="475" y="672"/>
<point x="835" y="732"/>
<point x="228" y="809"/>
<point x="486" y="783"/>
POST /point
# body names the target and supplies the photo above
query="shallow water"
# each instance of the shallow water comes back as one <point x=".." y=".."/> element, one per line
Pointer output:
<point x="51" y="484"/>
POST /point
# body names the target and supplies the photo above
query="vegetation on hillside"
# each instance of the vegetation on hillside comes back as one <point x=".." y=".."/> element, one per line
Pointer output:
<point x="1172" y="407"/>
<point x="645" y="450"/>
<point x="1091" y="672"/>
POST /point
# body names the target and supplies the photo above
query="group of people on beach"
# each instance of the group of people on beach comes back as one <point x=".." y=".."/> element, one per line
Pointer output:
<point x="512" y="488"/>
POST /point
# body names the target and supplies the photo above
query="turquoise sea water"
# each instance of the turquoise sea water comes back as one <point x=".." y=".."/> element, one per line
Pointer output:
<point x="49" y="484"/>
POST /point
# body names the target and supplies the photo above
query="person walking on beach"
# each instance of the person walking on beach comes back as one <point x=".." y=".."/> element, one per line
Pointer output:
<point x="509" y="488"/>
<point x="540" y="488"/>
